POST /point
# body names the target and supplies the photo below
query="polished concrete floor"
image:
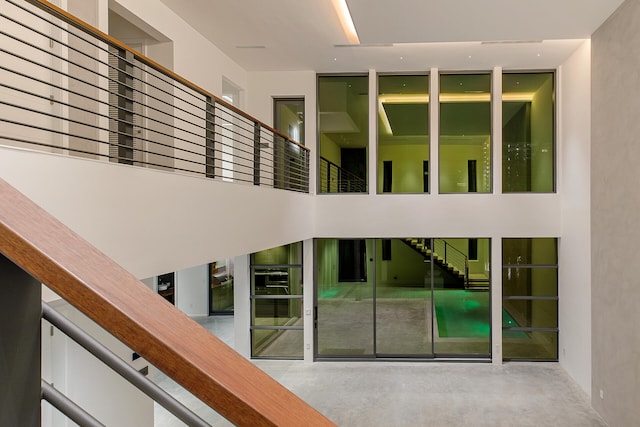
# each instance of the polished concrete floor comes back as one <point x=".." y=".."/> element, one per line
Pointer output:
<point x="416" y="394"/>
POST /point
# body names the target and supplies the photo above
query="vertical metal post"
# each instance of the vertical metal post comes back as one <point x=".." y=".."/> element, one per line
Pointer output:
<point x="20" y="387"/>
<point x="210" y="138"/>
<point x="125" y="110"/>
<point x="256" y="153"/>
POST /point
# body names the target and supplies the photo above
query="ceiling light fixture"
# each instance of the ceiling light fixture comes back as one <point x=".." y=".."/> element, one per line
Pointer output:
<point x="345" y="20"/>
<point x="444" y="98"/>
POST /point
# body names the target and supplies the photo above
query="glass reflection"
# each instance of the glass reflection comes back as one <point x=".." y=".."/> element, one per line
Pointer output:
<point x="343" y="114"/>
<point x="403" y="134"/>
<point x="528" y="129"/>
<point x="465" y="133"/>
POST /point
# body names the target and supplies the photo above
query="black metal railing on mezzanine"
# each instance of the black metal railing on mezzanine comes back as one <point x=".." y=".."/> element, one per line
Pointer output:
<point x="335" y="179"/>
<point x="67" y="88"/>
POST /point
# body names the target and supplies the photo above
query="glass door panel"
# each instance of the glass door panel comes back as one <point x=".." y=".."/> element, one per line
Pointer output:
<point x="461" y="296"/>
<point x="344" y="301"/>
<point x="403" y="298"/>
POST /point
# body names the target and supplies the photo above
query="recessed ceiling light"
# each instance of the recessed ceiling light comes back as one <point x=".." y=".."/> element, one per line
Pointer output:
<point x="335" y="59"/>
<point x="401" y="58"/>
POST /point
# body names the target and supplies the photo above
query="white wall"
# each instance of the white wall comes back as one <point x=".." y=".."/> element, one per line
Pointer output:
<point x="151" y="222"/>
<point x="191" y="291"/>
<point x="574" y="291"/>
<point x="263" y="87"/>
<point x="195" y="58"/>
<point x="448" y="215"/>
<point x="615" y="203"/>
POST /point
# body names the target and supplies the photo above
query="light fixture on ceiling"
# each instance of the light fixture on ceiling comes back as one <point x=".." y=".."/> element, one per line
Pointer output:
<point x="345" y="20"/>
<point x="444" y="98"/>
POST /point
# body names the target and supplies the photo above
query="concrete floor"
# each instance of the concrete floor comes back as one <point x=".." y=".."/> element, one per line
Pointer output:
<point x="416" y="394"/>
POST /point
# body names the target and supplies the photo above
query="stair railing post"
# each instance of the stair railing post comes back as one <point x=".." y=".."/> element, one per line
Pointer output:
<point x="256" y="153"/>
<point x="20" y="388"/>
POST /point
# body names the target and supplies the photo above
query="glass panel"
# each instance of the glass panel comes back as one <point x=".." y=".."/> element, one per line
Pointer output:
<point x="345" y="308"/>
<point x="463" y="322"/>
<point x="403" y="134"/>
<point x="530" y="313"/>
<point x="528" y="129"/>
<point x="403" y="299"/>
<point x="282" y="255"/>
<point x="465" y="133"/>
<point x="529" y="345"/>
<point x="276" y="281"/>
<point x="343" y="114"/>
<point x="276" y="312"/>
<point x="289" y="117"/>
<point x="221" y="283"/>
<point x="277" y="343"/>
<point x="540" y="282"/>
<point x="535" y="251"/>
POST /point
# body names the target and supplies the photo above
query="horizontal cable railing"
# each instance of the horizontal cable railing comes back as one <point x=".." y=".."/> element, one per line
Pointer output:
<point x="67" y="88"/>
<point x="335" y="179"/>
<point x="99" y="288"/>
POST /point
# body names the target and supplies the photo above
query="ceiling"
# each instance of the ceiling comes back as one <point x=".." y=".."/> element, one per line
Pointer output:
<point x="398" y="35"/>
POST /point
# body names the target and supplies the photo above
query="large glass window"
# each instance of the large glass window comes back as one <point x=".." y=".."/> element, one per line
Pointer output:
<point x="409" y="298"/>
<point x="343" y="123"/>
<point x="403" y="134"/>
<point x="465" y="133"/>
<point x="530" y="298"/>
<point x="276" y="303"/>
<point x="528" y="149"/>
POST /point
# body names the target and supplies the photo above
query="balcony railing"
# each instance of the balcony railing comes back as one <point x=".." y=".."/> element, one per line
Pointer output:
<point x="67" y="88"/>
<point x="335" y="179"/>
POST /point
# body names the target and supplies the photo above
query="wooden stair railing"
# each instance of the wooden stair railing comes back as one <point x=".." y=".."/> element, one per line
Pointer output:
<point x="101" y="289"/>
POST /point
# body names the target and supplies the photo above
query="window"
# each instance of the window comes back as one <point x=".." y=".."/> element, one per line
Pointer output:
<point x="465" y="133"/>
<point x="530" y="299"/>
<point x="343" y="123"/>
<point x="528" y="129"/>
<point x="288" y="166"/>
<point x="403" y="133"/>
<point x="276" y="303"/>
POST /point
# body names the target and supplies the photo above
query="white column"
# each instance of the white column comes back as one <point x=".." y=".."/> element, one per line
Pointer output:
<point x="496" y="300"/>
<point x="373" y="132"/>
<point x="496" y="242"/>
<point x="242" y="305"/>
<point x="309" y="293"/>
<point x="434" y="131"/>
<point x="496" y="127"/>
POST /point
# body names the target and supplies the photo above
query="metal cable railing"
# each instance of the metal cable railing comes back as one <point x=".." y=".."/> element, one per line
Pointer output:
<point x="67" y="88"/>
<point x="335" y="179"/>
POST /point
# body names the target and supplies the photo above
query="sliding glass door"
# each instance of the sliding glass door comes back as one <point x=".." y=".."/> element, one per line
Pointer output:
<point x="403" y="298"/>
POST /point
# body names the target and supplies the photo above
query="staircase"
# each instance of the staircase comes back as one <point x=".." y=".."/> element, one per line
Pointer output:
<point x="451" y="261"/>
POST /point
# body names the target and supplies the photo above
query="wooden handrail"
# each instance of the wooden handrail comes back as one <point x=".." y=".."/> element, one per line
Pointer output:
<point x="144" y="321"/>
<point x="93" y="31"/>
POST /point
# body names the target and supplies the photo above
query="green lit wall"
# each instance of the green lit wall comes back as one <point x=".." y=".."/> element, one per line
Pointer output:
<point x="407" y="161"/>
